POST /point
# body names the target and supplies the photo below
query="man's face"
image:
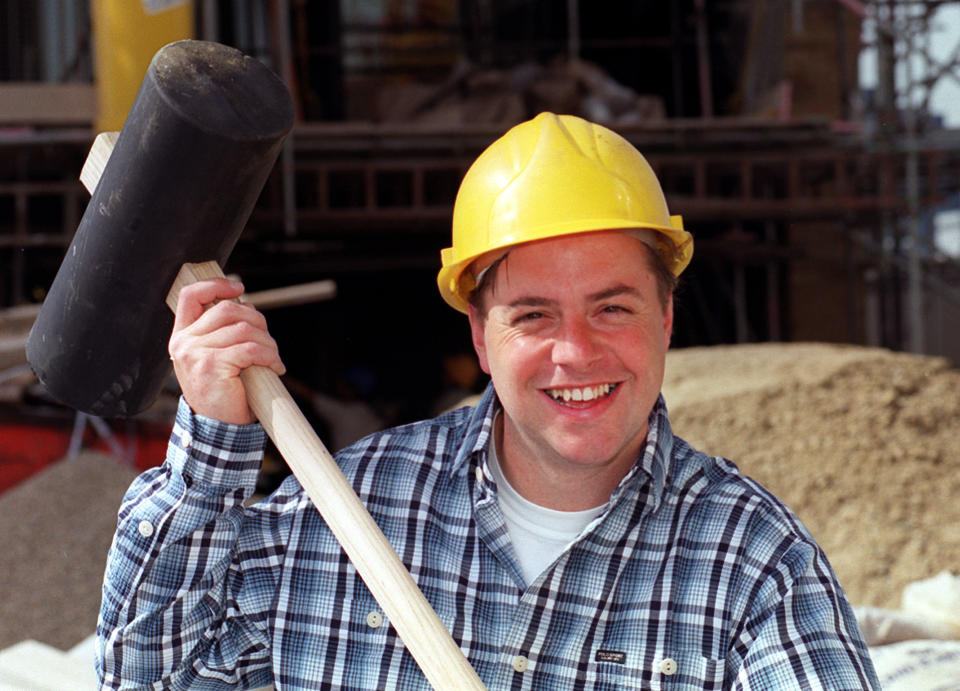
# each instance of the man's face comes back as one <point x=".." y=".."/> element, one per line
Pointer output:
<point x="574" y="339"/>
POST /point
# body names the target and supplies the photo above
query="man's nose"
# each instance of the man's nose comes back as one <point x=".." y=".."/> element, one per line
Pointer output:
<point x="577" y="344"/>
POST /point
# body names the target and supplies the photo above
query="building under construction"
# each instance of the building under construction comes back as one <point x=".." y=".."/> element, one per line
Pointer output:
<point x="817" y="205"/>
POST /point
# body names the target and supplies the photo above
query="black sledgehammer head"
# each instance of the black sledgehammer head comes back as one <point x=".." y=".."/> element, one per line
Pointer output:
<point x="195" y="151"/>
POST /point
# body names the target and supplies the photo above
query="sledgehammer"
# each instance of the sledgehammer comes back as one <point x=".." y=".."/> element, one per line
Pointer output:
<point x="199" y="142"/>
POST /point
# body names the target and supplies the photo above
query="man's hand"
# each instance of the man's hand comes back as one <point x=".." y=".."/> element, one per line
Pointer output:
<point x="212" y="342"/>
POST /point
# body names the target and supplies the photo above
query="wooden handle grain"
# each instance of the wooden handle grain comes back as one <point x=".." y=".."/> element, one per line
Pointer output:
<point x="419" y="627"/>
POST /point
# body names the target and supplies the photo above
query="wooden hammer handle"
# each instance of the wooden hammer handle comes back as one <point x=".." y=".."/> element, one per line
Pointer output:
<point x="418" y="626"/>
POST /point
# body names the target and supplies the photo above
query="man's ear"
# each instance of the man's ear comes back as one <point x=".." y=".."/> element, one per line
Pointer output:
<point x="668" y="320"/>
<point x="477" y="334"/>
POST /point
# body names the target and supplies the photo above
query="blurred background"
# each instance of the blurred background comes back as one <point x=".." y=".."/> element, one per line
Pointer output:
<point x="812" y="147"/>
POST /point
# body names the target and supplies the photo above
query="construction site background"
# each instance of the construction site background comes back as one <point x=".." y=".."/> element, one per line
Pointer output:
<point x="822" y="210"/>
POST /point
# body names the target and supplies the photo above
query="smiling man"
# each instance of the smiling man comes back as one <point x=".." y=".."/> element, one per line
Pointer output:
<point x="564" y="535"/>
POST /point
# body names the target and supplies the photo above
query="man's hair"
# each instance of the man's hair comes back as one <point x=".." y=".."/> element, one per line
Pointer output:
<point x="666" y="281"/>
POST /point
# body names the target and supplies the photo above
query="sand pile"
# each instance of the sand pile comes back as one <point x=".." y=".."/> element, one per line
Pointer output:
<point x="56" y="530"/>
<point x="863" y="444"/>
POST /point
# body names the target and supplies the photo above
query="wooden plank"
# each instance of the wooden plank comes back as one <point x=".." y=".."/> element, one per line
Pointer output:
<point x="40" y="103"/>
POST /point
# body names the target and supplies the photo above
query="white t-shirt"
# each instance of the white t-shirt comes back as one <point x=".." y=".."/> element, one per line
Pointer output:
<point x="539" y="535"/>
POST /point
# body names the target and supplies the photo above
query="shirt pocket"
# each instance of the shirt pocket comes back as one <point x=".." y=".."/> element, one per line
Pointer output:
<point x="681" y="672"/>
<point x="358" y="626"/>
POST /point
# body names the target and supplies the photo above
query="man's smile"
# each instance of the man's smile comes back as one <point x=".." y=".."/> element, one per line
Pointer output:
<point x="583" y="394"/>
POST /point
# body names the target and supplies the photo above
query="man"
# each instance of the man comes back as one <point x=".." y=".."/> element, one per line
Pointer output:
<point x="562" y="533"/>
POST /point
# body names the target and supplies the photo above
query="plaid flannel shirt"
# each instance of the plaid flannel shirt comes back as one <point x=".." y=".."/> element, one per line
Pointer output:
<point x="694" y="576"/>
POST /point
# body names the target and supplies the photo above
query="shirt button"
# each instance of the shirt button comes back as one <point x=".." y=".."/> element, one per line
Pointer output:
<point x="668" y="666"/>
<point x="145" y="528"/>
<point x="374" y="619"/>
<point x="479" y="474"/>
<point x="186" y="439"/>
<point x="520" y="663"/>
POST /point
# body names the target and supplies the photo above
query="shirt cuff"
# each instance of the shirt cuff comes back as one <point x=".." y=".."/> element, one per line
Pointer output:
<point x="213" y="453"/>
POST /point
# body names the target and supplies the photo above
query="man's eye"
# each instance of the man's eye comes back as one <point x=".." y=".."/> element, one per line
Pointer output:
<point x="616" y="308"/>
<point x="528" y="316"/>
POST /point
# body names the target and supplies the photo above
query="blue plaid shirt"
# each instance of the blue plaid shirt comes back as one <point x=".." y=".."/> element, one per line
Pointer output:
<point x="694" y="576"/>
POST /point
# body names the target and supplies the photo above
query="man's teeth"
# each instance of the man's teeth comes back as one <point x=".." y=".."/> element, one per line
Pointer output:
<point x="586" y="393"/>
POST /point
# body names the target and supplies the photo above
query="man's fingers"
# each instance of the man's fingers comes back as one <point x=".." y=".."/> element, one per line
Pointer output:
<point x="250" y="353"/>
<point x="226" y="339"/>
<point x="221" y="314"/>
<point x="195" y="298"/>
<point x="227" y="362"/>
<point x="238" y="345"/>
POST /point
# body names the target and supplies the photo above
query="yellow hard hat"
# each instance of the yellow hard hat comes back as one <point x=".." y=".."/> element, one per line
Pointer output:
<point x="549" y="176"/>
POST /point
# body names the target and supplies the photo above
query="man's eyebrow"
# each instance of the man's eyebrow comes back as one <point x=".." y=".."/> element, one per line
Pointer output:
<point x="614" y="291"/>
<point x="532" y="301"/>
<point x="605" y="294"/>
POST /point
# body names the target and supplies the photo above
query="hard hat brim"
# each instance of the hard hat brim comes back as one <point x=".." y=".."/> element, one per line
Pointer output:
<point x="456" y="283"/>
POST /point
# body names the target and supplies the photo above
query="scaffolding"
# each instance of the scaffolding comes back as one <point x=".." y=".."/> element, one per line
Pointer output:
<point x="780" y="201"/>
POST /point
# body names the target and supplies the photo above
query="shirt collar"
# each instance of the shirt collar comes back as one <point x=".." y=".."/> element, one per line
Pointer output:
<point x="478" y="431"/>
<point x="653" y="463"/>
